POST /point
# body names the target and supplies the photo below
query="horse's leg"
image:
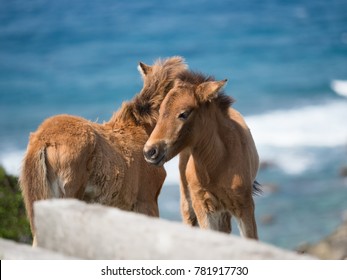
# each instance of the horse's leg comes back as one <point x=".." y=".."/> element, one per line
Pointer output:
<point x="34" y="240"/>
<point x="148" y="189"/>
<point x="204" y="218"/>
<point x="210" y="214"/>
<point x="225" y="222"/>
<point x="147" y="198"/>
<point x="187" y="211"/>
<point x="218" y="221"/>
<point x="149" y="208"/>
<point x="72" y="182"/>
<point x="246" y="220"/>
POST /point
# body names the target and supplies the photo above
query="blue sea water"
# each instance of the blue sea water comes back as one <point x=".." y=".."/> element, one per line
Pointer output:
<point x="282" y="58"/>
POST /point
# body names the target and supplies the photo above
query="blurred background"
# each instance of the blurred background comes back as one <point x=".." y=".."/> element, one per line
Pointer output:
<point x="286" y="62"/>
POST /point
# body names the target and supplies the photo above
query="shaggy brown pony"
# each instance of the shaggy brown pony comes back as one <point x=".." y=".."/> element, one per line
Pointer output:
<point x="70" y="157"/>
<point x="218" y="157"/>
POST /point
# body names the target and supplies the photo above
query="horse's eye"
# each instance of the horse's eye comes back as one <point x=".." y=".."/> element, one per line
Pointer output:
<point x="184" y="115"/>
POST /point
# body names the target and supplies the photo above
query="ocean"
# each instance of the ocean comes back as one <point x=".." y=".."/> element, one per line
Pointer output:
<point x="286" y="63"/>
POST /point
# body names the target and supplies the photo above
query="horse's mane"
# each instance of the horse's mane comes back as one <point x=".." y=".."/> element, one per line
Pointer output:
<point x="143" y="109"/>
<point x="196" y="78"/>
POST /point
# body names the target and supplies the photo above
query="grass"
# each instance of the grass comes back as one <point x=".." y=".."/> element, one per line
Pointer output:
<point x="13" y="220"/>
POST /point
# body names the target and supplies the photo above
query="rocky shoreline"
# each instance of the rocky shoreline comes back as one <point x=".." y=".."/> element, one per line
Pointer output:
<point x="333" y="247"/>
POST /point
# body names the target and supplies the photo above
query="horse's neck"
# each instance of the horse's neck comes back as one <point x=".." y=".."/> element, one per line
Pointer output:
<point x="129" y="115"/>
<point x="209" y="148"/>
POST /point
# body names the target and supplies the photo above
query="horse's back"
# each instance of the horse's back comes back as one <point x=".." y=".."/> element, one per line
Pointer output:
<point x="246" y="138"/>
<point x="64" y="130"/>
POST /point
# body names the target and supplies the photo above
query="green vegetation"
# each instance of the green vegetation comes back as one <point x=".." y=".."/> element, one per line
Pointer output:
<point x="13" y="221"/>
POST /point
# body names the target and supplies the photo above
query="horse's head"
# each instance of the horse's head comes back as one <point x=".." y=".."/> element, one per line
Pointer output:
<point x="158" y="78"/>
<point x="179" y="119"/>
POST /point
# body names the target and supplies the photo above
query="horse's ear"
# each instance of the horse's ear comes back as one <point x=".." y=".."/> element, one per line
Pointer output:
<point x="207" y="91"/>
<point x="144" y="69"/>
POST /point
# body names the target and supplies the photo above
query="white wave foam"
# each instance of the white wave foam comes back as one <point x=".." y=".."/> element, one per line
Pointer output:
<point x="340" y="87"/>
<point x="290" y="161"/>
<point x="284" y="136"/>
<point x="312" y="126"/>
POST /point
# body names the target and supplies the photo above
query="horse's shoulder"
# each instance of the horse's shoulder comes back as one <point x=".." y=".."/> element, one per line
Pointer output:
<point x="236" y="116"/>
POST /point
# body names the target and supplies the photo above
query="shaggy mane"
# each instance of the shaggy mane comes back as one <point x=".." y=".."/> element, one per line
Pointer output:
<point x="223" y="100"/>
<point x="143" y="109"/>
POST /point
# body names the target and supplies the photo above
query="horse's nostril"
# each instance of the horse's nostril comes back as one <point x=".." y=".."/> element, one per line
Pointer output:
<point x="152" y="153"/>
<point x="155" y="154"/>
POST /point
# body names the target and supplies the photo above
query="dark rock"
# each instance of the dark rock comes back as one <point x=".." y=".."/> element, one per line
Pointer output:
<point x="333" y="247"/>
<point x="266" y="164"/>
<point x="270" y="188"/>
<point x="343" y="171"/>
<point x="267" y="219"/>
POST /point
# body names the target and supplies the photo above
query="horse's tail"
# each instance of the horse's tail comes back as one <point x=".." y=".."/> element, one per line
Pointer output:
<point x="33" y="180"/>
<point x="257" y="188"/>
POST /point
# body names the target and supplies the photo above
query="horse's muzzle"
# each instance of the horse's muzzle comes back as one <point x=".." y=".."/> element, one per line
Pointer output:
<point x="155" y="154"/>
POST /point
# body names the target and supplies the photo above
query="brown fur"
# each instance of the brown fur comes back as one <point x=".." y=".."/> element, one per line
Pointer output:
<point x="70" y="157"/>
<point x="218" y="157"/>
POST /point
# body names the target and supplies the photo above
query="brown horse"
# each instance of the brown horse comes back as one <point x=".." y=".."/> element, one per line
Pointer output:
<point x="70" y="157"/>
<point x="218" y="157"/>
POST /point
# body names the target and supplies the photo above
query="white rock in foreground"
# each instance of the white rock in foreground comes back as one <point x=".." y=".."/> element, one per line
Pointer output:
<point x="97" y="232"/>
<point x="10" y="250"/>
